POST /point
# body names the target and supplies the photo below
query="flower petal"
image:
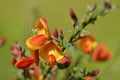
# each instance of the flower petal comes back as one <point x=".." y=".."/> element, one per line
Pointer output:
<point x="101" y="53"/>
<point x="35" y="42"/>
<point x="24" y="63"/>
<point x="42" y="27"/>
<point x="51" y="48"/>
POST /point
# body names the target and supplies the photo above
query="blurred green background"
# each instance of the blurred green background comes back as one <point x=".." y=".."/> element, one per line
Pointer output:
<point x="17" y="17"/>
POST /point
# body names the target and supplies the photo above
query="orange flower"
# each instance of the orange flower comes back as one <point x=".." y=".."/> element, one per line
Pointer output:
<point x="42" y="27"/>
<point x="87" y="43"/>
<point x="51" y="48"/>
<point x="24" y="63"/>
<point x="101" y="53"/>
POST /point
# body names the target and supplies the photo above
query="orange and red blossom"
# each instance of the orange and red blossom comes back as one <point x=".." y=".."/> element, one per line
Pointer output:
<point x="42" y="27"/>
<point x="87" y="43"/>
<point x="51" y="48"/>
<point x="55" y="33"/>
<point x="101" y="53"/>
<point x="24" y="62"/>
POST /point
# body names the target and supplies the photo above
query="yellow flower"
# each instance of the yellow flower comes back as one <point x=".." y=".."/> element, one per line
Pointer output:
<point x="42" y="27"/>
<point x="51" y="48"/>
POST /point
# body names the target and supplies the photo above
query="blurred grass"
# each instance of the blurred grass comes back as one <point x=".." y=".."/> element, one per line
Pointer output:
<point x="18" y="16"/>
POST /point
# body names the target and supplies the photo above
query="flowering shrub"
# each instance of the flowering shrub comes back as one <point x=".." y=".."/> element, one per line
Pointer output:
<point x="48" y="51"/>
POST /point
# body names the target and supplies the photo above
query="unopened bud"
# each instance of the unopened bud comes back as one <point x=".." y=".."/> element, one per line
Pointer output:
<point x="107" y="4"/>
<point x="63" y="63"/>
<point x="93" y="73"/>
<point x="13" y="60"/>
<point x="73" y="15"/>
<point x="16" y="44"/>
<point x="2" y="41"/>
<point x="55" y="33"/>
<point x="51" y="60"/>
<point x="14" y="51"/>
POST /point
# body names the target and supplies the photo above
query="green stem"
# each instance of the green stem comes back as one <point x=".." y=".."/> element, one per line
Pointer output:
<point x="48" y="71"/>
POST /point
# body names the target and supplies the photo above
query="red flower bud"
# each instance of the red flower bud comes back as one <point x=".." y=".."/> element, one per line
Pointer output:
<point x="15" y="51"/>
<point x="107" y="4"/>
<point x="63" y="63"/>
<point x="51" y="60"/>
<point x="55" y="33"/>
<point x="73" y="15"/>
<point x="2" y="41"/>
<point x="13" y="60"/>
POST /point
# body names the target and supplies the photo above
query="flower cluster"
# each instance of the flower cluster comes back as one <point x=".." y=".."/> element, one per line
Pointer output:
<point x="47" y="52"/>
<point x="42" y="46"/>
<point x="98" y="52"/>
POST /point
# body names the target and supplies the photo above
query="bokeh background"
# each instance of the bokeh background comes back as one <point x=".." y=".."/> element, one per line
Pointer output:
<point x="17" y="17"/>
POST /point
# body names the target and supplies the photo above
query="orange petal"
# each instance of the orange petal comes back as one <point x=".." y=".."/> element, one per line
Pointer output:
<point x="101" y="53"/>
<point x="41" y="23"/>
<point x="36" y="56"/>
<point x="24" y="63"/>
<point x="35" y="42"/>
<point x="42" y="27"/>
<point x="51" y="48"/>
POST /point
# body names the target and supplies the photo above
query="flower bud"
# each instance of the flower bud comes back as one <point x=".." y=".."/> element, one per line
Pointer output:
<point x="107" y="4"/>
<point x="73" y="15"/>
<point x="51" y="60"/>
<point x="2" y="41"/>
<point x="55" y="33"/>
<point x="63" y="63"/>
<point x="93" y="73"/>
<point x="15" y="51"/>
<point x="13" y="60"/>
<point x="17" y="45"/>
